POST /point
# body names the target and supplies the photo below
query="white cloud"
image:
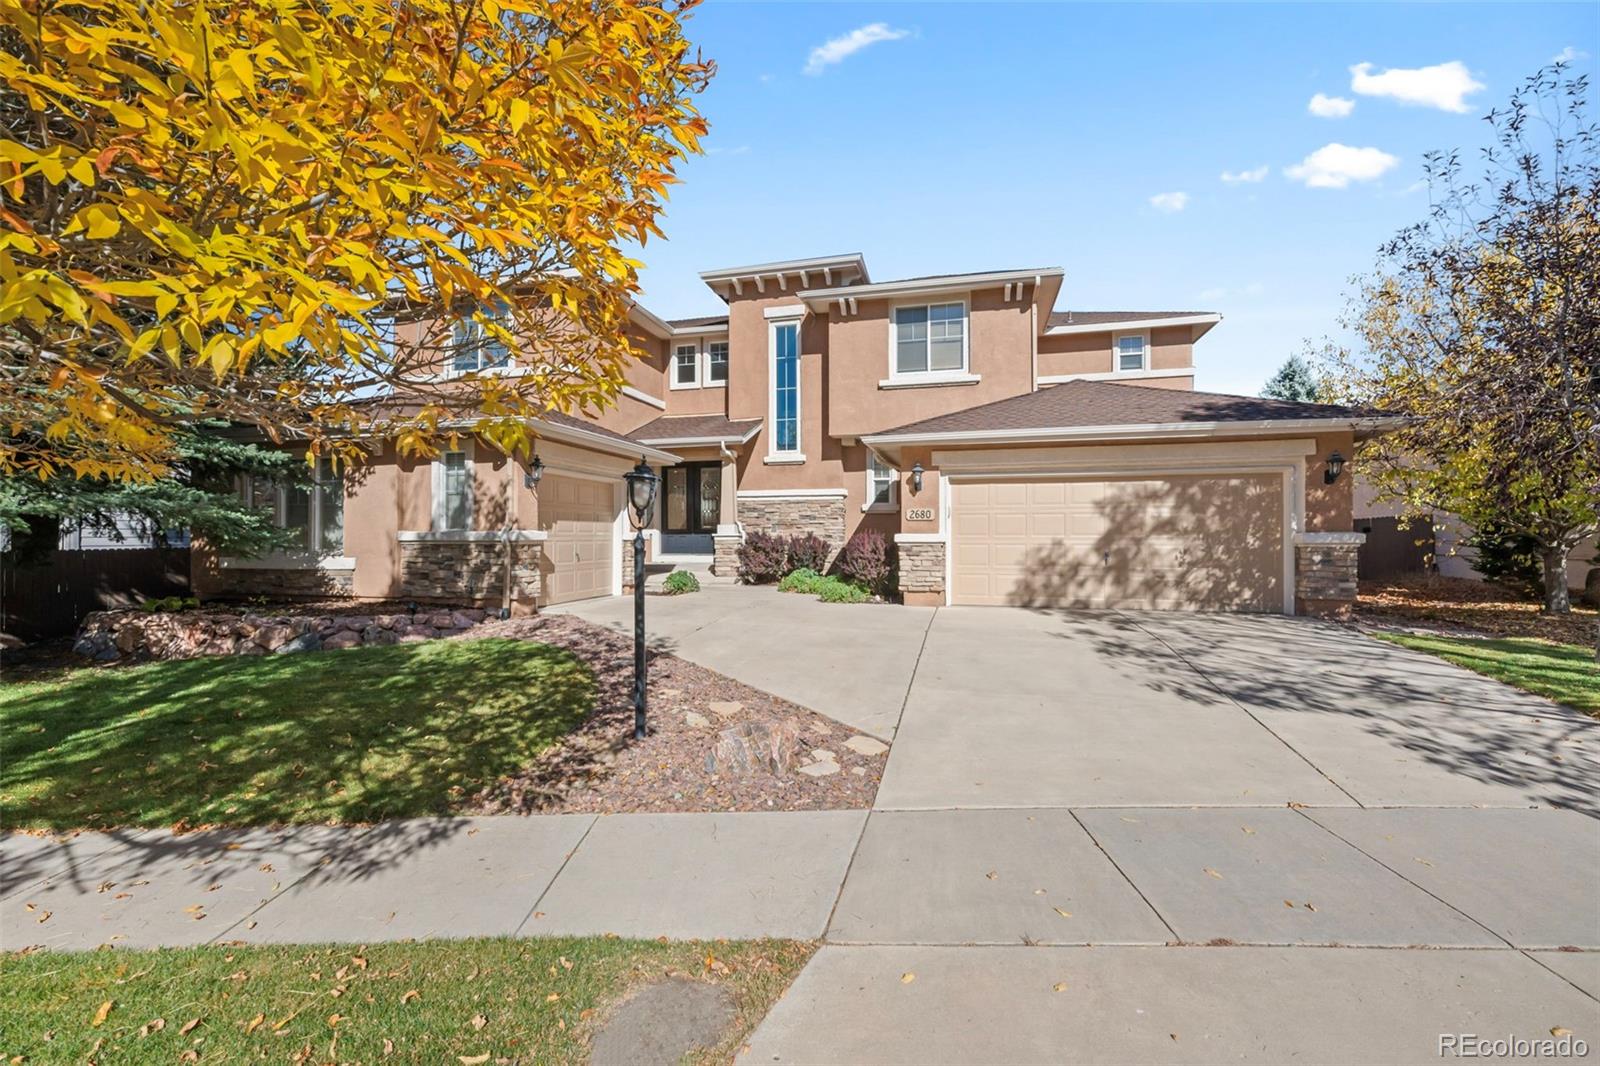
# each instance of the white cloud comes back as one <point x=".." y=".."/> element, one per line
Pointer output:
<point x="1245" y="177"/>
<point x="838" y="49"/>
<point x="1170" y="202"/>
<point x="1324" y="106"/>
<point x="1443" y="85"/>
<point x="1569" y="54"/>
<point x="742" y="149"/>
<point x="1334" y="166"/>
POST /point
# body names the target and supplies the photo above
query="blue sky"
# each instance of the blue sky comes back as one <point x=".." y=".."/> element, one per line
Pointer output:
<point x="954" y="137"/>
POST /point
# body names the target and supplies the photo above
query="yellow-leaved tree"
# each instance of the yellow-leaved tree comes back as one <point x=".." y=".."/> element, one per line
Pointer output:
<point x="271" y="211"/>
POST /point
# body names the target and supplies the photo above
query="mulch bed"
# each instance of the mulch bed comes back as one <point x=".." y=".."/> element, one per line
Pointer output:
<point x="601" y="769"/>
<point x="1458" y="607"/>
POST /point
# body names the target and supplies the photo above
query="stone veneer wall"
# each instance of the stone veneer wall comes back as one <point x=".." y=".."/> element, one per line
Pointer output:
<point x="291" y="582"/>
<point x="920" y="570"/>
<point x="791" y="515"/>
<point x="138" y="634"/>
<point x="725" y="554"/>
<point x="468" y="569"/>
<point x="1325" y="567"/>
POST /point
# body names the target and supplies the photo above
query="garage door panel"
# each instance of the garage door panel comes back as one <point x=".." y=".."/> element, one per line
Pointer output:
<point x="1194" y="542"/>
<point x="578" y="516"/>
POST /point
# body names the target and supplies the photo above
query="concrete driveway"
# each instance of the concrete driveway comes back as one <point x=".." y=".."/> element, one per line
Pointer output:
<point x="1000" y="707"/>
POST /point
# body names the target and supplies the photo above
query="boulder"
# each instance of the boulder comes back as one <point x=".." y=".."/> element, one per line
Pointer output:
<point x="130" y="638"/>
<point x="376" y="634"/>
<point x="344" y="638"/>
<point x="355" y="623"/>
<point x="465" y="619"/>
<point x="250" y="647"/>
<point x="274" y="636"/>
<point x="304" y="642"/>
<point x="438" y="620"/>
<point x="392" y="621"/>
<point x="763" y="745"/>
<point x="474" y="615"/>
<point x="97" y="646"/>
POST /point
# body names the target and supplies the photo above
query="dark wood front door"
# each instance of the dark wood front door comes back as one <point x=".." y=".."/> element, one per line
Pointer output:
<point x="691" y="507"/>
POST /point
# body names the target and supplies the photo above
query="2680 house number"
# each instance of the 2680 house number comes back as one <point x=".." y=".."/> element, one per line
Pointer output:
<point x="919" y="514"/>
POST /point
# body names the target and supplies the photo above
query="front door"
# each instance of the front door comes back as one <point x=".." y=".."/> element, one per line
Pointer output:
<point x="692" y="508"/>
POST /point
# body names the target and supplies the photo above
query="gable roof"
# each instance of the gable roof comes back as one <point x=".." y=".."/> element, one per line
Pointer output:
<point x="1108" y="405"/>
<point x="703" y="320"/>
<point x="697" y="429"/>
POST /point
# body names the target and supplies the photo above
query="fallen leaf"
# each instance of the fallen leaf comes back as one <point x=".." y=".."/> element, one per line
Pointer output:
<point x="479" y="1021"/>
<point x="358" y="961"/>
<point x="1038" y="892"/>
<point x="1288" y="903"/>
<point x="1212" y="873"/>
<point x="388" y="1046"/>
<point x="552" y="997"/>
<point x="101" y="1015"/>
<point x="1059" y="986"/>
<point x="566" y="963"/>
<point x="472" y="1060"/>
<point x="907" y="977"/>
<point x="1309" y="907"/>
<point x="154" y="1025"/>
<point x="254" y="1023"/>
<point x="1064" y="914"/>
<point x="188" y="1027"/>
<point x="411" y="995"/>
<point x="335" y="1018"/>
<point x="1424" y="862"/>
<point x="1560" y="1031"/>
<point x="992" y="875"/>
<point x="45" y="916"/>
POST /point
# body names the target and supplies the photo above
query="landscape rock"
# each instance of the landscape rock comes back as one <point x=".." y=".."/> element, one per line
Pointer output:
<point x="304" y="642"/>
<point x="821" y="768"/>
<point x="97" y="646"/>
<point x="273" y="637"/>
<point x="749" y="747"/>
<point x="377" y="634"/>
<point x="725" y="708"/>
<point x="342" y="639"/>
<point x="696" y="721"/>
<point x="865" y="745"/>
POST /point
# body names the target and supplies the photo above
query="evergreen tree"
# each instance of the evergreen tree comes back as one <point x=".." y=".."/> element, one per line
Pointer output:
<point x="1295" y="380"/>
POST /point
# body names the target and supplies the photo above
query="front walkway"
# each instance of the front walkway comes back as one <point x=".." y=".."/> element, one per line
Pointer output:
<point x="1100" y="837"/>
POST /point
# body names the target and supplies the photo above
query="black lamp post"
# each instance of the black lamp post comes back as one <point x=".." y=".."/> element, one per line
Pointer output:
<point x="642" y="483"/>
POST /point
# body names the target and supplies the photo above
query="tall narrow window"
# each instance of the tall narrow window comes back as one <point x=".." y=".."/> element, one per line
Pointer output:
<point x="786" y="387"/>
<point x="329" y="508"/>
<point x="717" y="363"/>
<point x="880" y="483"/>
<point x="685" y="366"/>
<point x="454" y="508"/>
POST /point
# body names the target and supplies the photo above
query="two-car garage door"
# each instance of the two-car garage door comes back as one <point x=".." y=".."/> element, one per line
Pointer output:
<point x="1193" y="542"/>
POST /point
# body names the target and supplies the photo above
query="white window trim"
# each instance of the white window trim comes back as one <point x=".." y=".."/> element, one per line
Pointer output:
<point x="705" y="364"/>
<point x="672" y="365"/>
<point x="297" y="558"/>
<point x="963" y="375"/>
<point x="893" y="505"/>
<point x="478" y="337"/>
<point x="1116" y="351"/>
<point x="439" y="512"/>
<point x="798" y="454"/>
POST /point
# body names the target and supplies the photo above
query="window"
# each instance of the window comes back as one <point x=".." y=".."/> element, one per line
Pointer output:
<point x="881" y="481"/>
<point x="717" y="363"/>
<point x="785" y="387"/>
<point x="479" y="349"/>
<point x="1131" y="351"/>
<point x="317" y="512"/>
<point x="931" y="339"/>
<point x="452" y="492"/>
<point x="685" y="366"/>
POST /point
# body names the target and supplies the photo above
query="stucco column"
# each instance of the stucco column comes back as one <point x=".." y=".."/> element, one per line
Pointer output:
<point x="730" y="491"/>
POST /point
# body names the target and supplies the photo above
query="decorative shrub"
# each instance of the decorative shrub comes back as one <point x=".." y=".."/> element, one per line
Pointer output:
<point x="832" y="590"/>
<point x="803" y="580"/>
<point x="808" y="552"/>
<point x="865" y="560"/>
<point x="763" y="558"/>
<point x="680" y="581"/>
<point x="170" y="604"/>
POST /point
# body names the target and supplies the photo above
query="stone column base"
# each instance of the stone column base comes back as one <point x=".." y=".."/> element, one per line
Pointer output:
<point x="920" y="570"/>
<point x="1325" y="567"/>
<point x="725" y="554"/>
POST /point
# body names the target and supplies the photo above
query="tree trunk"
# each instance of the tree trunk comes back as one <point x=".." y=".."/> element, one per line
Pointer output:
<point x="1557" y="599"/>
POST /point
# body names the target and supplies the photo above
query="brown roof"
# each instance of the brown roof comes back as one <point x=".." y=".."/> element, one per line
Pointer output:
<point x="703" y="320"/>
<point x="694" y="427"/>
<point x="1109" y="403"/>
<point x="559" y="419"/>
<point x="1095" y="318"/>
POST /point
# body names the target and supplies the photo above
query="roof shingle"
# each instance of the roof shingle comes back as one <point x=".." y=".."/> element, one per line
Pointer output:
<point x="694" y="427"/>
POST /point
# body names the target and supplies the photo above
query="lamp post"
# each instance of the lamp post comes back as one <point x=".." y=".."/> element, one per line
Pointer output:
<point x="642" y="483"/>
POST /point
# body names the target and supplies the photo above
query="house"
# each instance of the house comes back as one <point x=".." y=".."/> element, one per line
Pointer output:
<point x="1014" y="454"/>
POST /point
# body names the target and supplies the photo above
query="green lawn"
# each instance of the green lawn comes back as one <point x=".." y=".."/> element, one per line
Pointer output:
<point x="470" y="1001"/>
<point x="1566" y="673"/>
<point x="335" y="736"/>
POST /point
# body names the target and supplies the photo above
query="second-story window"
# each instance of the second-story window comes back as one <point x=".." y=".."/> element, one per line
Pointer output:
<point x="1132" y="350"/>
<point x="717" y="363"/>
<point x="477" y="348"/>
<point x="785" y="388"/>
<point x="931" y="339"/>
<point x="685" y="366"/>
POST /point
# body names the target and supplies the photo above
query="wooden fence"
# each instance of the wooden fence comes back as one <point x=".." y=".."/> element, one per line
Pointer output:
<point x="48" y="598"/>
<point x="1394" y="552"/>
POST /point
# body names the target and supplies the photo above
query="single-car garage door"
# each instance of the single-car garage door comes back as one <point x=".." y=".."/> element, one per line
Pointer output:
<point x="579" y="517"/>
<point x="1188" y="542"/>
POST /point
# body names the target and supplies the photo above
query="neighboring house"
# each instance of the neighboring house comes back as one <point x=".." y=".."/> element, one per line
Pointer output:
<point x="1013" y="453"/>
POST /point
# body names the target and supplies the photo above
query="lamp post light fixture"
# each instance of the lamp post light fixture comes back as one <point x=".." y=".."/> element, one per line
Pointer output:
<point x="642" y="485"/>
<point x="916" y="477"/>
<point x="1335" y="468"/>
<point x="535" y="472"/>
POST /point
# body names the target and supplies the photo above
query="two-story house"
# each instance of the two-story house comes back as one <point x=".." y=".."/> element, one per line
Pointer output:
<point x="1014" y="454"/>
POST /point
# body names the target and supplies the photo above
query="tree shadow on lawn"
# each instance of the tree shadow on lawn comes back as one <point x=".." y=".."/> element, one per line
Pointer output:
<point x="342" y="736"/>
<point x="1448" y="717"/>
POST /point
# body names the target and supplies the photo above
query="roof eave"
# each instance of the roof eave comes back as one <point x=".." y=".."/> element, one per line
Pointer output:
<point x="1361" y="426"/>
<point x="600" y="441"/>
<point x="818" y="299"/>
<point x="1207" y="320"/>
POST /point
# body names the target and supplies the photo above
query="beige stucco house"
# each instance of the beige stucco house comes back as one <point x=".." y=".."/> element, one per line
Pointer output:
<point x="1014" y="454"/>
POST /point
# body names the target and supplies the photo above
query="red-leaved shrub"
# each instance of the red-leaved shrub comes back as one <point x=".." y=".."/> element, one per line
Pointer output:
<point x="763" y="558"/>
<point x="865" y="560"/>
<point x="807" y="552"/>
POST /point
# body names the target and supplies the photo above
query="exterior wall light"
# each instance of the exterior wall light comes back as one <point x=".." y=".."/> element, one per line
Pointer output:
<point x="916" y="477"/>
<point x="535" y="472"/>
<point x="1335" y="467"/>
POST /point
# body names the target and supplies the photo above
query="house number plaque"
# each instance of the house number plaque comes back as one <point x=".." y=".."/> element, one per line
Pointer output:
<point x="919" y="514"/>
